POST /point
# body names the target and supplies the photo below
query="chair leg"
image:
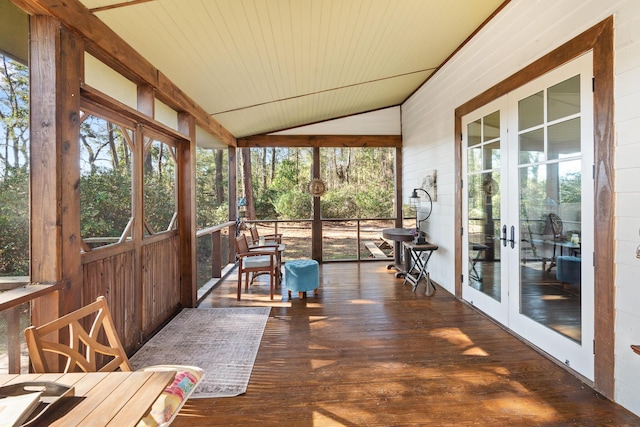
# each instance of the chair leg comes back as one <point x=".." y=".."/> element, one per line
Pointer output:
<point x="239" y="284"/>
<point x="272" y="282"/>
<point x="246" y="282"/>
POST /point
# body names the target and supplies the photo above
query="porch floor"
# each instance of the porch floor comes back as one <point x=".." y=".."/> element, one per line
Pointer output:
<point x="369" y="351"/>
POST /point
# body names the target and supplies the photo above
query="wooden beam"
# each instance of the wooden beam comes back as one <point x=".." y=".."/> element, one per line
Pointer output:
<point x="55" y="176"/>
<point x="355" y="141"/>
<point x="108" y="47"/>
<point x="187" y="212"/>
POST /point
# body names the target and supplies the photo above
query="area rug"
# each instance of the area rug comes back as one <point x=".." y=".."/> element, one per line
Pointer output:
<point x="222" y="341"/>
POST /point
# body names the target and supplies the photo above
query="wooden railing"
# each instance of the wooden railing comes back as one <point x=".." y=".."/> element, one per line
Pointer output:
<point x="298" y="241"/>
<point x="214" y="265"/>
<point x="14" y="292"/>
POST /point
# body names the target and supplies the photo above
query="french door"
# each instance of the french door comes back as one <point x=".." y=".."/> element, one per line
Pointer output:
<point x="528" y="212"/>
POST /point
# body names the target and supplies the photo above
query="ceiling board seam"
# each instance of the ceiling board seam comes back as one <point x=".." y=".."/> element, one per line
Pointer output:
<point x="118" y="5"/>
<point x="324" y="91"/>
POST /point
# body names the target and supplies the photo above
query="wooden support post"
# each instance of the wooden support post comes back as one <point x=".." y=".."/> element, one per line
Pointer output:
<point x="398" y="188"/>
<point x="56" y="73"/>
<point x="316" y="225"/>
<point x="216" y="254"/>
<point x="187" y="211"/>
<point x="233" y="200"/>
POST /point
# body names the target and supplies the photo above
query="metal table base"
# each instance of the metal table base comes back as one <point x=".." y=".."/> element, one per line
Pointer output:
<point x="418" y="265"/>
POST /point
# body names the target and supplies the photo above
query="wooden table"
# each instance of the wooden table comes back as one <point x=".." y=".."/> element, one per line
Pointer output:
<point x="398" y="235"/>
<point x="101" y="398"/>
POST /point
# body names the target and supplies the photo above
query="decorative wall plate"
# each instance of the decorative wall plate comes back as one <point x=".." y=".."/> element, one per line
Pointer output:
<point x="317" y="187"/>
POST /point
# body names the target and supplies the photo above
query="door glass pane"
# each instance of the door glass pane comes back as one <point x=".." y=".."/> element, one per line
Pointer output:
<point x="564" y="139"/>
<point x="474" y="133"/>
<point x="491" y="155"/>
<point x="474" y="159"/>
<point x="531" y="146"/>
<point x="491" y="126"/>
<point x="550" y="256"/>
<point x="531" y="111"/>
<point x="484" y="233"/>
<point x="563" y="99"/>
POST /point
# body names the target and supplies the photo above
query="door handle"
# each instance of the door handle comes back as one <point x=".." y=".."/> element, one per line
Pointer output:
<point x="513" y="236"/>
<point x="504" y="236"/>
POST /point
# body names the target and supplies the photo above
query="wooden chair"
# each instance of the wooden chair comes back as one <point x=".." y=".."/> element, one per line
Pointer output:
<point x="255" y="236"/>
<point x="85" y="347"/>
<point x="254" y="261"/>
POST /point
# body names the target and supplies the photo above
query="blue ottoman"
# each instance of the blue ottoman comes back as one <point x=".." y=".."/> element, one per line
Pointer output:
<point x="569" y="269"/>
<point x="301" y="275"/>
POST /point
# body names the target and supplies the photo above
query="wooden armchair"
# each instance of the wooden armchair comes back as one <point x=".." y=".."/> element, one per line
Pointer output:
<point x="255" y="236"/>
<point x="85" y="347"/>
<point x="253" y="262"/>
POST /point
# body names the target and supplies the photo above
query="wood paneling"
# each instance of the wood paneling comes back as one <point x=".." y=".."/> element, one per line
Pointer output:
<point x="160" y="279"/>
<point x="114" y="278"/>
<point x="369" y="351"/>
<point x="598" y="38"/>
<point x="321" y="141"/>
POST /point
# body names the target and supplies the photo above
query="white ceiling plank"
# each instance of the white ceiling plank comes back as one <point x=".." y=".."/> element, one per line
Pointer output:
<point x="260" y="65"/>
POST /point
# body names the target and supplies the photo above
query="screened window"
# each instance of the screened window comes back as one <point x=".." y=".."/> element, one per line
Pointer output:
<point x="160" y="196"/>
<point x="106" y="170"/>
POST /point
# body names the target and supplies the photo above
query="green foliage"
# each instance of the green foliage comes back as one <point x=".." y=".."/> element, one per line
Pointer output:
<point x="293" y="205"/>
<point x="212" y="182"/>
<point x="360" y="183"/>
<point x="105" y="203"/>
<point x="339" y="203"/>
<point x="14" y="223"/>
<point x="14" y="168"/>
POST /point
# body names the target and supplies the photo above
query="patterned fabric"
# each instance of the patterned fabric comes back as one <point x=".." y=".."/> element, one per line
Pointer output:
<point x="169" y="403"/>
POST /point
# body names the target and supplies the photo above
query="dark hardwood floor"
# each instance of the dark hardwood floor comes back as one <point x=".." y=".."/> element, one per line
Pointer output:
<point x="369" y="351"/>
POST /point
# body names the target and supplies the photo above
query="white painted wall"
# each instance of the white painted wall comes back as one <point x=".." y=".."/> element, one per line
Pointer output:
<point x="521" y="33"/>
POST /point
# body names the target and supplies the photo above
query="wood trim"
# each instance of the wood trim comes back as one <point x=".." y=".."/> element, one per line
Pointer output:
<point x="398" y="189"/>
<point x="187" y="212"/>
<point x="145" y="100"/>
<point x="94" y="99"/>
<point x="301" y="141"/>
<point x="232" y="154"/>
<point x="598" y="38"/>
<point x="108" y="47"/>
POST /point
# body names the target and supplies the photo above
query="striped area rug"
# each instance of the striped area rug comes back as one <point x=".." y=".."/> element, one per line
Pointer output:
<point x="222" y="341"/>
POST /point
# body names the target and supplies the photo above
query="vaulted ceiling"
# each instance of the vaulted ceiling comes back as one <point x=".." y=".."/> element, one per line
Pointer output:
<point x="259" y="66"/>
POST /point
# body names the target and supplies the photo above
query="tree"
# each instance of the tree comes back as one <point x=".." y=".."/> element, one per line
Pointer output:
<point x="14" y="168"/>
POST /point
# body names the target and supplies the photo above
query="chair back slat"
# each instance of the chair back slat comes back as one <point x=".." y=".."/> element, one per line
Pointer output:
<point x="84" y="346"/>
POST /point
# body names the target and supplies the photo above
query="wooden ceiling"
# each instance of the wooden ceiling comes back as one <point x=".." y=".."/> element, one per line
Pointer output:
<point x="259" y="66"/>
